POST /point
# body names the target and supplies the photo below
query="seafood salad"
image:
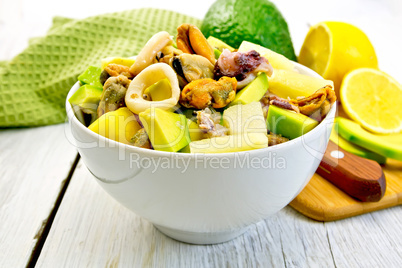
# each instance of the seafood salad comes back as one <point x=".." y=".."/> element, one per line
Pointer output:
<point x="191" y="94"/>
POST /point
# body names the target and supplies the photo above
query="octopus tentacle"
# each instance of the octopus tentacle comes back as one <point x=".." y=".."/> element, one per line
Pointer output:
<point x="242" y="66"/>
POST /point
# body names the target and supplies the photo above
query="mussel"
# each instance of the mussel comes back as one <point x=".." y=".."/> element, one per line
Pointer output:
<point x="115" y="70"/>
<point x="191" y="40"/>
<point x="190" y="67"/>
<point x="114" y="91"/>
<point x="206" y="92"/>
<point x="315" y="106"/>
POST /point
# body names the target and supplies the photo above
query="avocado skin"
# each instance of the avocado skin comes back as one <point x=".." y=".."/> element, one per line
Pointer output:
<point x="389" y="146"/>
<point x="233" y="21"/>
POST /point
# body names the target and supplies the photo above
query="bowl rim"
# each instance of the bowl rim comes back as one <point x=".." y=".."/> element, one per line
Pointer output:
<point x="155" y="153"/>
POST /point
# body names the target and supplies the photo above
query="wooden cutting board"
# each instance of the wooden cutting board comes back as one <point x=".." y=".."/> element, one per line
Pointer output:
<point x="323" y="201"/>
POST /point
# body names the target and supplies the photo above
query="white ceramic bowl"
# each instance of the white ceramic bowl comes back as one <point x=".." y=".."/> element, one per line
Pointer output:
<point x="202" y="199"/>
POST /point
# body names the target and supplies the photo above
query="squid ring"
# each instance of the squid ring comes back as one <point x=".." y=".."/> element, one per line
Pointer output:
<point x="155" y="44"/>
<point x="150" y="75"/>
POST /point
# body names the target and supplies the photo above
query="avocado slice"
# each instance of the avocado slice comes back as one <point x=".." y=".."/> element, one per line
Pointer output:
<point x="288" y="123"/>
<point x="85" y="103"/>
<point x="167" y="131"/>
<point x="386" y="145"/>
<point x="355" y="149"/>
<point x="91" y="76"/>
<point x="253" y="91"/>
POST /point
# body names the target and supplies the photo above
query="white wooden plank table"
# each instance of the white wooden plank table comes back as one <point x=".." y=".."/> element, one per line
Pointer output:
<point x="54" y="214"/>
<point x="102" y="232"/>
<point x="34" y="169"/>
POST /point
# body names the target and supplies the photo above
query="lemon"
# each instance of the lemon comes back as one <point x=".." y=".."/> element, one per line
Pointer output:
<point x="372" y="98"/>
<point x="332" y="49"/>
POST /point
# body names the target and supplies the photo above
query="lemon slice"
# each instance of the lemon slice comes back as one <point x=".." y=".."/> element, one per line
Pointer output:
<point x="373" y="98"/>
<point x="332" y="49"/>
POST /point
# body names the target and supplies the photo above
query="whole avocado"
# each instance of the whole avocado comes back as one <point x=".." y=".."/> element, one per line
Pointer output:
<point x="256" y="21"/>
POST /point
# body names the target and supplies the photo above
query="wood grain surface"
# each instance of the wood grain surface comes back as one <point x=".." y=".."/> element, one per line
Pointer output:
<point x="361" y="178"/>
<point x="35" y="164"/>
<point x="92" y="230"/>
<point x="323" y="201"/>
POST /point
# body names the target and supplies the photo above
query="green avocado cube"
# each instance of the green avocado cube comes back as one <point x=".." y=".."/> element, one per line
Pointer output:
<point x="288" y="123"/>
<point x="87" y="97"/>
<point x="239" y="119"/>
<point x="186" y="149"/>
<point x="217" y="53"/>
<point x="91" y="76"/>
<point x="159" y="91"/>
<point x="167" y="131"/>
<point x="253" y="91"/>
<point x="195" y="131"/>
<point x="219" y="44"/>
<point x="189" y="113"/>
<point x="85" y="103"/>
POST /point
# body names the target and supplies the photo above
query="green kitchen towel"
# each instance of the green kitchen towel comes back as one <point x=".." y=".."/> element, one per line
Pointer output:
<point x="34" y="85"/>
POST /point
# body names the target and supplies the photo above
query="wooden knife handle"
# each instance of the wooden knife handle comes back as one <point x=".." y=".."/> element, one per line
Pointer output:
<point x="360" y="178"/>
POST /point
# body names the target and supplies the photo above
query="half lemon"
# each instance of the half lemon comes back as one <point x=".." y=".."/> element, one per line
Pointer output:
<point x="373" y="98"/>
<point x="333" y="48"/>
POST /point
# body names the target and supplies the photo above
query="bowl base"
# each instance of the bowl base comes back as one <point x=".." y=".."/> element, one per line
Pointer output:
<point x="201" y="238"/>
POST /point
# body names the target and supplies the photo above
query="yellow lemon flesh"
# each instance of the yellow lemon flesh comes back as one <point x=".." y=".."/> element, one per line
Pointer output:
<point x="332" y="49"/>
<point x="372" y="98"/>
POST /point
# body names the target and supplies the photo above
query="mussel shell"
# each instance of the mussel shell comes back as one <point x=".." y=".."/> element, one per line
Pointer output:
<point x="191" y="67"/>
